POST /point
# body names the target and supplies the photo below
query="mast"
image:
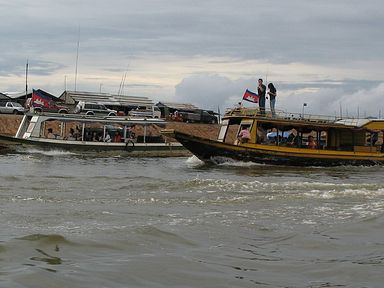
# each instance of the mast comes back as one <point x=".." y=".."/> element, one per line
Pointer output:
<point x="122" y="83"/>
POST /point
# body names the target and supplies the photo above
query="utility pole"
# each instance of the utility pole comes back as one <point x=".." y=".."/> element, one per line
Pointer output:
<point x="26" y="80"/>
<point x="304" y="104"/>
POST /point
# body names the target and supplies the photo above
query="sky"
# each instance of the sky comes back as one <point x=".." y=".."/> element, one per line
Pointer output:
<point x="325" y="53"/>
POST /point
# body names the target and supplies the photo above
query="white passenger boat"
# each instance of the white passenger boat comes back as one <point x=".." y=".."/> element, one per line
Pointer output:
<point x="136" y="136"/>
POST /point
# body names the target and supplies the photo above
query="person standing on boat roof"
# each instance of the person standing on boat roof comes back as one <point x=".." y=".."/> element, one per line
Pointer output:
<point x="272" y="98"/>
<point x="261" y="92"/>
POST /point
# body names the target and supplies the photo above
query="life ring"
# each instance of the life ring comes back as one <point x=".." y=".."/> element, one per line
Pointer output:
<point x="129" y="146"/>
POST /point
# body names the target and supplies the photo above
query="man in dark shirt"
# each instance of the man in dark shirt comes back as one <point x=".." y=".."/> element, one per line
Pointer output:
<point x="261" y="92"/>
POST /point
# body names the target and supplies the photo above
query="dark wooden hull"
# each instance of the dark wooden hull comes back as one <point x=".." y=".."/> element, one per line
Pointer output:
<point x="214" y="152"/>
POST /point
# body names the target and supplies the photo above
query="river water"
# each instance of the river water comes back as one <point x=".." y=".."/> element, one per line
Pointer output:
<point x="69" y="220"/>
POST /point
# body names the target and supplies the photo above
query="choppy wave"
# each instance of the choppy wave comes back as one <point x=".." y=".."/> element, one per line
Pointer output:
<point x="125" y="218"/>
<point x="45" y="238"/>
<point x="284" y="187"/>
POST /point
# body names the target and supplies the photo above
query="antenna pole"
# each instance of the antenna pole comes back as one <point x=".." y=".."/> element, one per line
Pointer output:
<point x="77" y="58"/>
<point x="341" y="110"/>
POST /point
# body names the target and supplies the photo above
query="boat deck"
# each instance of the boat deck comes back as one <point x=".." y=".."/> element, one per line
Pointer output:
<point x="281" y="115"/>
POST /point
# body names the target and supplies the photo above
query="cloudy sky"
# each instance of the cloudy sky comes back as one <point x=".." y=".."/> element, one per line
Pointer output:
<point x="326" y="53"/>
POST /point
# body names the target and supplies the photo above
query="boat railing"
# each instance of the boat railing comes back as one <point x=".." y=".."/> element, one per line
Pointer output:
<point x="280" y="114"/>
<point x="85" y="117"/>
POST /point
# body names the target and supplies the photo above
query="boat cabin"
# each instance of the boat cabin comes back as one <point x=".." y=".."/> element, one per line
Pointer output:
<point x="90" y="128"/>
<point x="311" y="132"/>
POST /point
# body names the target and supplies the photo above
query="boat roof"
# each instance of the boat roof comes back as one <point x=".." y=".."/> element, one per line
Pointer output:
<point x="307" y="120"/>
<point x="72" y="97"/>
<point x="100" y="119"/>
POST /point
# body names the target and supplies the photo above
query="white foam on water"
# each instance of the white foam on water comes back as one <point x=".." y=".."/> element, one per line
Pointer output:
<point x="240" y="164"/>
<point x="194" y="161"/>
<point x="49" y="152"/>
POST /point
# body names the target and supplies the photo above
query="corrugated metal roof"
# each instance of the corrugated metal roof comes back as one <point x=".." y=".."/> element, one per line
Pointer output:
<point x="353" y="122"/>
<point x="4" y="97"/>
<point x="177" y="106"/>
<point x="18" y="95"/>
<point x="72" y="97"/>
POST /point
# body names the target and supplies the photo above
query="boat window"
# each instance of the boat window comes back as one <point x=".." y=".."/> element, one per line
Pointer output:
<point x="223" y="131"/>
<point x="30" y="127"/>
<point x="245" y="124"/>
<point x="261" y="134"/>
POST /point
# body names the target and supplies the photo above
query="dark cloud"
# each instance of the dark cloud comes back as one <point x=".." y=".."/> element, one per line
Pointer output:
<point x="16" y="66"/>
<point x="280" y="31"/>
<point x="343" y="38"/>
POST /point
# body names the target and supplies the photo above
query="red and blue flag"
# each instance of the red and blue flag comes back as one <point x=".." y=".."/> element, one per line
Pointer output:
<point x="40" y="99"/>
<point x="250" y="96"/>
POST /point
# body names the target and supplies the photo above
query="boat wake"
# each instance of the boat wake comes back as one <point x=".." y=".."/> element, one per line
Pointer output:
<point x="224" y="161"/>
<point x="46" y="152"/>
<point x="193" y="161"/>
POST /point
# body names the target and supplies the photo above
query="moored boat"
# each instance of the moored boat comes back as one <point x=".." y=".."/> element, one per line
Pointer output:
<point x="290" y="139"/>
<point x="133" y="136"/>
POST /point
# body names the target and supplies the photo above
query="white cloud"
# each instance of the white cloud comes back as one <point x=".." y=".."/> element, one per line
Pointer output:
<point x="333" y="101"/>
<point x="322" y="98"/>
<point x="210" y="91"/>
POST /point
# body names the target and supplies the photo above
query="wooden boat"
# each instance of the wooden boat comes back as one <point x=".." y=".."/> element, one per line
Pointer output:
<point x="133" y="136"/>
<point x="337" y="141"/>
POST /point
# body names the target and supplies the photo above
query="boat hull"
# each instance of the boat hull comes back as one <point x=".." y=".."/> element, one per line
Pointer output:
<point x="215" y="151"/>
<point x="172" y="149"/>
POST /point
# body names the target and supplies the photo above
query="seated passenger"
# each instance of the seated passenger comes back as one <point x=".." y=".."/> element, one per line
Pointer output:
<point x="88" y="136"/>
<point x="50" y="134"/>
<point x="290" y="138"/>
<point x="311" y="143"/>
<point x="117" y="137"/>
<point x="130" y="132"/>
<point x="71" y="135"/>
<point x="244" y="135"/>
<point x="373" y="138"/>
<point x="77" y="133"/>
<point x="95" y="137"/>
<point x="107" y="138"/>
<point x="294" y="140"/>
